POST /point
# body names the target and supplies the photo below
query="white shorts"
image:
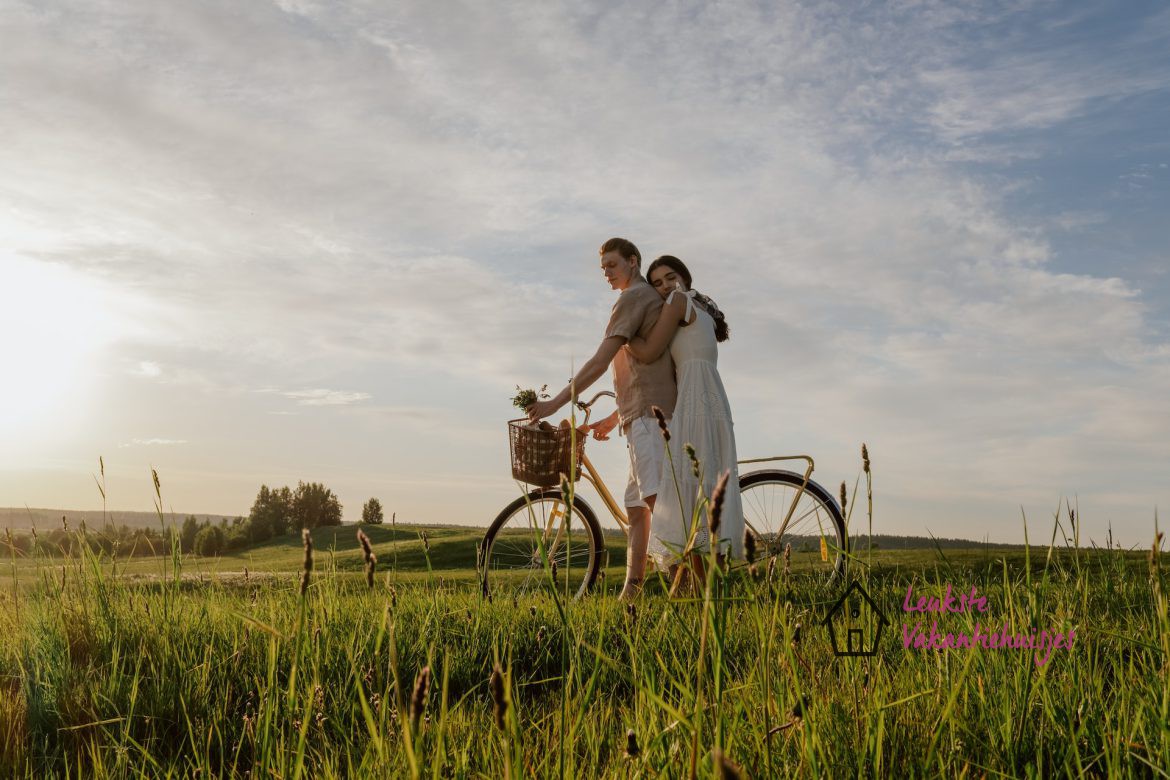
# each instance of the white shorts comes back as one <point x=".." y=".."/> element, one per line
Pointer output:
<point x="647" y="451"/>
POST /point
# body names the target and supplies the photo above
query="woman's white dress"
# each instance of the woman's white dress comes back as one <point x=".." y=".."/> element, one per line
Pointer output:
<point x="702" y="417"/>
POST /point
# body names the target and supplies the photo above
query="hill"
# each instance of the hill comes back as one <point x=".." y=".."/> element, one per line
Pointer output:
<point x="21" y="518"/>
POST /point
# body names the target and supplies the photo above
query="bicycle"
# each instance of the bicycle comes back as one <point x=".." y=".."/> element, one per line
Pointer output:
<point x="782" y="509"/>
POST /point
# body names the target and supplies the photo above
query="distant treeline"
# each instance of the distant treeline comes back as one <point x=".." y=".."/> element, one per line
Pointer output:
<point x="889" y="542"/>
<point x="275" y="512"/>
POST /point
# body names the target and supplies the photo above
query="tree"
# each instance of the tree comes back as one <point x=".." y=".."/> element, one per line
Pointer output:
<point x="191" y="528"/>
<point x="314" y="506"/>
<point x="271" y="513"/>
<point x="209" y="541"/>
<point x="372" y="512"/>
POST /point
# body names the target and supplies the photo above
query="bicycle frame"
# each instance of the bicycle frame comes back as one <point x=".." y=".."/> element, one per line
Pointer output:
<point x="593" y="478"/>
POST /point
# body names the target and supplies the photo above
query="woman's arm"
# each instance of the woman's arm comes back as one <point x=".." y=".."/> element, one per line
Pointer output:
<point x="649" y="349"/>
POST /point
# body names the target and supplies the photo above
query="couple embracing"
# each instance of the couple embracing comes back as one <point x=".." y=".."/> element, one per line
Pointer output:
<point x="661" y="340"/>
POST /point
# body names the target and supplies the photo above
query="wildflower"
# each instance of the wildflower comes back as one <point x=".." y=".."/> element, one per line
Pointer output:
<point x="632" y="748"/>
<point x="658" y="414"/>
<point x="307" y="565"/>
<point x="499" y="702"/>
<point x="715" y="515"/>
<point x="418" y="701"/>
<point x="368" y="554"/>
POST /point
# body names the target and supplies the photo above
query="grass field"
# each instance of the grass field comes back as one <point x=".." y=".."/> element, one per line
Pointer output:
<point x="181" y="666"/>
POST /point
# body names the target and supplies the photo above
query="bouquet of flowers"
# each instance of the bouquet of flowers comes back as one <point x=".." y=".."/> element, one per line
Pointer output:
<point x="526" y="398"/>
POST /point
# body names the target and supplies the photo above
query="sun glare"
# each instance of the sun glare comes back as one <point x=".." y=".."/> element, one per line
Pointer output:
<point x="54" y="324"/>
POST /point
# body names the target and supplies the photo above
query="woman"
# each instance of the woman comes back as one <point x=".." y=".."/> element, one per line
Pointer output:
<point x="690" y="325"/>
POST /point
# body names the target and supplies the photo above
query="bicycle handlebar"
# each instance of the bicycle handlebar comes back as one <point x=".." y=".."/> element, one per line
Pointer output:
<point x="584" y="405"/>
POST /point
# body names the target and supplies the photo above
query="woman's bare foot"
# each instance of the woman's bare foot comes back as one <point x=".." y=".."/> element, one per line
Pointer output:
<point x="631" y="590"/>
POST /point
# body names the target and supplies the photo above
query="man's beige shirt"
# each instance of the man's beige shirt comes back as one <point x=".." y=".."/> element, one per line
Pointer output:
<point x="639" y="386"/>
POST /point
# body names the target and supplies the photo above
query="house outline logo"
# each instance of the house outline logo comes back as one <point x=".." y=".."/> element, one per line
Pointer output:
<point x="855" y="644"/>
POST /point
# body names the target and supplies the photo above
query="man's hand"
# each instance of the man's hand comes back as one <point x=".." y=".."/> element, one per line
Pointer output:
<point x="601" y="429"/>
<point x="541" y="409"/>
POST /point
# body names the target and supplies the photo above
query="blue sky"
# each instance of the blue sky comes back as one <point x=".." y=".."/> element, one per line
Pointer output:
<point x="257" y="242"/>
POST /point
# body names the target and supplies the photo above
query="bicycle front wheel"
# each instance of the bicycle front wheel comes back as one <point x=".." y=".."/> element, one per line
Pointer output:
<point x="536" y="528"/>
<point x="815" y="528"/>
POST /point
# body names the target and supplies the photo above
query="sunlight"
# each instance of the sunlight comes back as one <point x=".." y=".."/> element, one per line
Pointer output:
<point x="55" y="323"/>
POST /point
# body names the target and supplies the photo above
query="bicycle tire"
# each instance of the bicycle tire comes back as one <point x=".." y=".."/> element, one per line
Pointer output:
<point x="510" y="557"/>
<point x="766" y="496"/>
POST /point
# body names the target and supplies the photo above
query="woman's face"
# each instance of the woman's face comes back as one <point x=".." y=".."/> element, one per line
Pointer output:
<point x="665" y="280"/>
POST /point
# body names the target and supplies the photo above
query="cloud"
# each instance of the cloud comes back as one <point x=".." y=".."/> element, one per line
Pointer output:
<point x="153" y="442"/>
<point x="322" y="397"/>
<point x="320" y="196"/>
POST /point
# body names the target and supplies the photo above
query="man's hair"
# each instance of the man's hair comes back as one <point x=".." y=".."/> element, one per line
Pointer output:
<point x="623" y="247"/>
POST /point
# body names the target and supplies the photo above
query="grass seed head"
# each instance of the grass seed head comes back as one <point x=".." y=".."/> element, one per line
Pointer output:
<point x="864" y="458"/>
<point x="368" y="554"/>
<point x="307" y="564"/>
<point x="553" y="567"/>
<point x="726" y="768"/>
<point x="418" y="700"/>
<point x="632" y="748"/>
<point x="749" y="545"/>
<point x="715" y="515"/>
<point x="842" y="496"/>
<point x="499" y="702"/>
<point x="661" y="417"/>
<point x="689" y="449"/>
<point x="787" y="558"/>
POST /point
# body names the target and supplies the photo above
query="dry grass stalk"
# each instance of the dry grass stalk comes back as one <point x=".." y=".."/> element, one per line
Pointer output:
<point x="307" y="564"/>
<point x="418" y="700"/>
<point x="499" y="701"/>
<point x="368" y="554"/>
<point x="632" y="748"/>
<point x="715" y="515"/>
<point x="661" y="417"/>
<point x="727" y="769"/>
<point x="689" y="449"/>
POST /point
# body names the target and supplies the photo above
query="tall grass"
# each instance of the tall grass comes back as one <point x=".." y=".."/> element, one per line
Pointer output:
<point x="316" y="674"/>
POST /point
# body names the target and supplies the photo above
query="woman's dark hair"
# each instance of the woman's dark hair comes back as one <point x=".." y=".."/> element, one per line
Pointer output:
<point x="722" y="332"/>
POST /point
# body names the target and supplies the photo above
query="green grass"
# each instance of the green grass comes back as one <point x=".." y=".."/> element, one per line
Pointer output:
<point x="148" y="669"/>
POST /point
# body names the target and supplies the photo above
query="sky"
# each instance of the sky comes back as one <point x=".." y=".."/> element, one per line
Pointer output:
<point x="257" y="243"/>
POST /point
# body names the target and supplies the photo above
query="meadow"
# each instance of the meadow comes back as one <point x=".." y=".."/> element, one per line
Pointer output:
<point x="244" y="665"/>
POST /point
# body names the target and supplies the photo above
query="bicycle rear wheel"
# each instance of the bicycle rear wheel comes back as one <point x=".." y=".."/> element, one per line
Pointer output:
<point x="815" y="528"/>
<point x="533" y="528"/>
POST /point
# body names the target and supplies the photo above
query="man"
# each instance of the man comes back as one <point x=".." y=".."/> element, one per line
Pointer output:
<point x="638" y="386"/>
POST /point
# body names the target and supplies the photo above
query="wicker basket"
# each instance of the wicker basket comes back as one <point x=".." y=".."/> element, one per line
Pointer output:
<point x="541" y="454"/>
